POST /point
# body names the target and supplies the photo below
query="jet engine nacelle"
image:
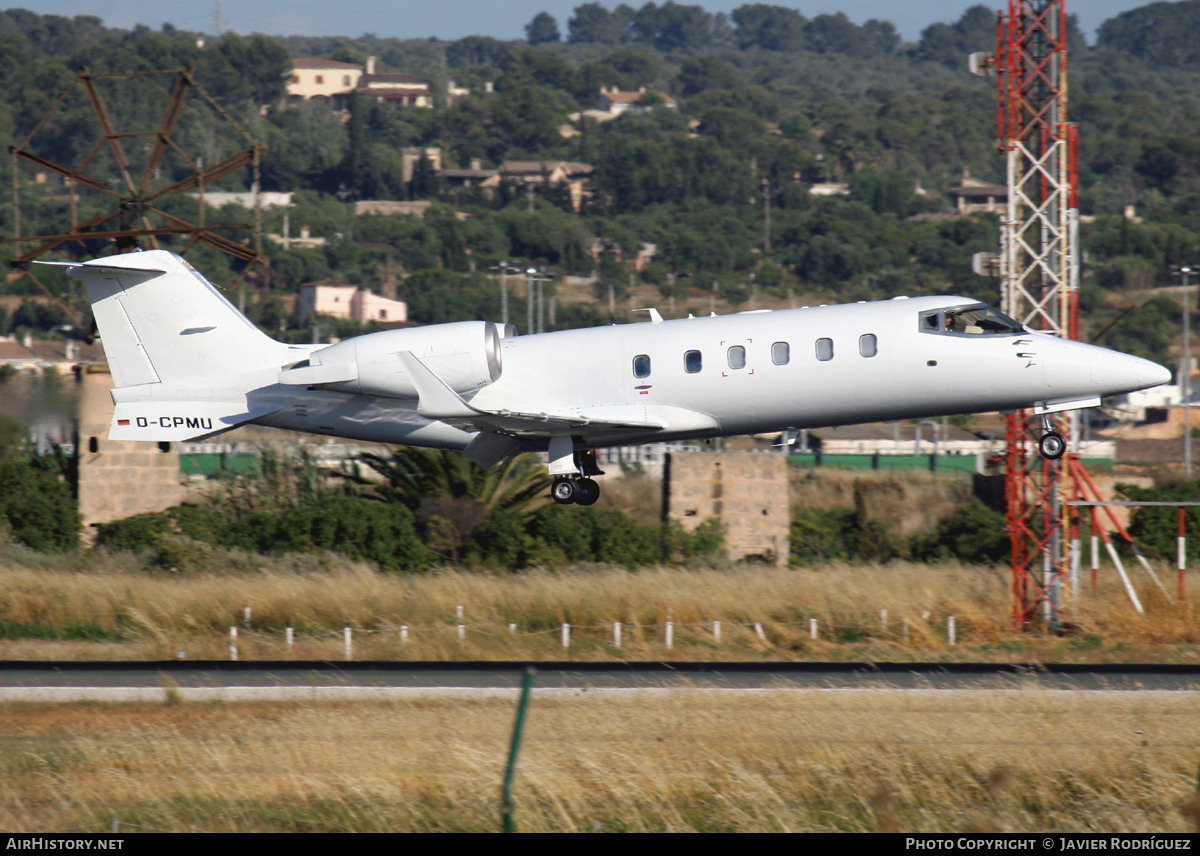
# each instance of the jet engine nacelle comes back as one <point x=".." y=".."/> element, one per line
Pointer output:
<point x="466" y="355"/>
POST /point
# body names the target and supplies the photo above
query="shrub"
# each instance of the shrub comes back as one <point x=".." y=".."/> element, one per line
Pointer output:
<point x="37" y="506"/>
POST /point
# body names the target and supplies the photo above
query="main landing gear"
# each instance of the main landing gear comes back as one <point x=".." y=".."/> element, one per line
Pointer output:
<point x="572" y="469"/>
<point x="1052" y="445"/>
<point x="567" y="490"/>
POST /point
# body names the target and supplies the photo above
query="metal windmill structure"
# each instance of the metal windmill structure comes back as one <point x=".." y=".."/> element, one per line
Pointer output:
<point x="134" y="194"/>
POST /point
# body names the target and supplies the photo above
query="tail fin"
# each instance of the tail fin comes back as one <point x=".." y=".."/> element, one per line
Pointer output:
<point x="182" y="357"/>
<point x="161" y="321"/>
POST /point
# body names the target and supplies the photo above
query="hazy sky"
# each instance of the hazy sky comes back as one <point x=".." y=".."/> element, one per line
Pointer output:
<point x="502" y="19"/>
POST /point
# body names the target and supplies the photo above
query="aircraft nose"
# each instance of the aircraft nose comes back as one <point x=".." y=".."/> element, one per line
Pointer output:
<point x="1152" y="374"/>
<point x="1126" y="374"/>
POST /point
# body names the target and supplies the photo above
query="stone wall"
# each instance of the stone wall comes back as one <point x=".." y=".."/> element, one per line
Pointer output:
<point x="746" y="491"/>
<point x="118" y="479"/>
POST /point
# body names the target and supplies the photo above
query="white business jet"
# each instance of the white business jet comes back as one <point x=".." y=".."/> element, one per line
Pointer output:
<point x="187" y="365"/>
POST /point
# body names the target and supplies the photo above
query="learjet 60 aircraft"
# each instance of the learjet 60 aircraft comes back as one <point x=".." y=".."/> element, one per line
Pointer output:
<point x="187" y="365"/>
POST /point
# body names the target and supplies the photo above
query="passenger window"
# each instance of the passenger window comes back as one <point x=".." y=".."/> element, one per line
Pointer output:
<point x="867" y="345"/>
<point x="781" y="353"/>
<point x="824" y="349"/>
<point x="641" y="366"/>
<point x="737" y="357"/>
<point x="692" y="362"/>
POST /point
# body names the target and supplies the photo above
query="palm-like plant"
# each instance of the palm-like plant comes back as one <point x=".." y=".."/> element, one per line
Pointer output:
<point x="449" y="494"/>
<point x="413" y="477"/>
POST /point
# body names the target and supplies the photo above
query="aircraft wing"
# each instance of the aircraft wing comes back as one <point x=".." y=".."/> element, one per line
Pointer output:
<point x="438" y="401"/>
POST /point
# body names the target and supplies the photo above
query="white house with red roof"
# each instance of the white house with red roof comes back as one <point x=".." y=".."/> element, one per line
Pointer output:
<point x="338" y="81"/>
<point x="617" y="102"/>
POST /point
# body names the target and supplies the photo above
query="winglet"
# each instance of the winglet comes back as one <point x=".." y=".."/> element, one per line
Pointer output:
<point x="655" y="318"/>
<point x="436" y="399"/>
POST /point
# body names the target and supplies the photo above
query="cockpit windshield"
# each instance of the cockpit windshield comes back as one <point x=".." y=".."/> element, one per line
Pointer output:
<point x="978" y="320"/>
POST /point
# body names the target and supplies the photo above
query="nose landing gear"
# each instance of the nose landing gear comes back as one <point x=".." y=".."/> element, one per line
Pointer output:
<point x="1052" y="445"/>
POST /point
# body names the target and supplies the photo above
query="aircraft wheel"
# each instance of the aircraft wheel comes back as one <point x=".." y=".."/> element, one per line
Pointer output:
<point x="1052" y="445"/>
<point x="564" y="491"/>
<point x="586" y="492"/>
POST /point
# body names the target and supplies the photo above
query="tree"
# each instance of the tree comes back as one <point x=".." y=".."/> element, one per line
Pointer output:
<point x="1162" y="33"/>
<point x="451" y="496"/>
<point x="772" y="28"/>
<point x="37" y="507"/>
<point x="699" y="74"/>
<point x="949" y="44"/>
<point x="411" y="476"/>
<point x="543" y="28"/>
<point x="593" y="24"/>
<point x="836" y="34"/>
<point x="476" y="50"/>
<point x="673" y="26"/>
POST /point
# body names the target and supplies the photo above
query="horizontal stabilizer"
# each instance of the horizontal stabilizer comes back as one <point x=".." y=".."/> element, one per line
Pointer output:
<point x="95" y="270"/>
<point x="178" y="421"/>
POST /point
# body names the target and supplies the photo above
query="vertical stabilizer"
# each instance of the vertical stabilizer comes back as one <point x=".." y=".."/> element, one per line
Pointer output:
<point x="161" y="320"/>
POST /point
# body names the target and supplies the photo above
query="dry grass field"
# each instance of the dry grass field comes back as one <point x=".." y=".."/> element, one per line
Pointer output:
<point x="105" y="612"/>
<point x="808" y="760"/>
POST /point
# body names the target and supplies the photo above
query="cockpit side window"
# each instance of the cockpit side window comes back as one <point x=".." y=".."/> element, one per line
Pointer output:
<point x="976" y="320"/>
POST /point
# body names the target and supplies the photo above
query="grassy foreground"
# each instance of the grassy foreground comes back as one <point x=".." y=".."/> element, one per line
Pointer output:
<point x="808" y="760"/>
<point x="105" y="612"/>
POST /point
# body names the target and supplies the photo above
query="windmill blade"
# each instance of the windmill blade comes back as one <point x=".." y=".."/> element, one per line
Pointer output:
<point x="65" y="172"/>
<point x="1111" y="324"/>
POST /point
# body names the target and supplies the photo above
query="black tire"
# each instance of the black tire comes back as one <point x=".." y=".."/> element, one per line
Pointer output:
<point x="1052" y="445"/>
<point x="586" y="492"/>
<point x="563" y="491"/>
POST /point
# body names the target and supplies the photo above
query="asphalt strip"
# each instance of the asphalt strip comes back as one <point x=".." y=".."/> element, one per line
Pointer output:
<point x="288" y="694"/>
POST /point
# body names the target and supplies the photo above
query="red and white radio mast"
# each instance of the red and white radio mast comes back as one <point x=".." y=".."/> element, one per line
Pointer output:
<point x="1039" y="274"/>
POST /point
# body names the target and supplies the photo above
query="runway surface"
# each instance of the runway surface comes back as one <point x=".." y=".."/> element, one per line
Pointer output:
<point x="293" y="680"/>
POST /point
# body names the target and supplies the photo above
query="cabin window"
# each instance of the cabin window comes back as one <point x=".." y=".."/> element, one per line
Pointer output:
<point x="737" y="357"/>
<point x="641" y="366"/>
<point x="824" y="349"/>
<point x="868" y="346"/>
<point x="781" y="353"/>
<point x="692" y="362"/>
